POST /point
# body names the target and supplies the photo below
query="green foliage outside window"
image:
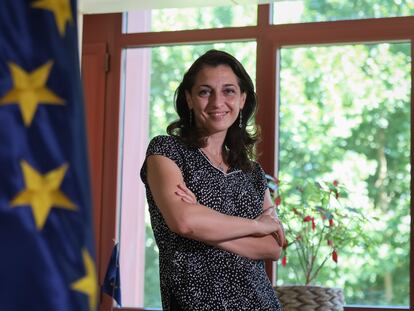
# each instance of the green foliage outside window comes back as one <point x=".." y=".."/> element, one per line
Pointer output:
<point x="299" y="11"/>
<point x="205" y="18"/>
<point x="345" y="115"/>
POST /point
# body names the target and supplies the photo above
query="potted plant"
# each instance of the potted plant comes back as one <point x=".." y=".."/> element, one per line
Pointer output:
<point x="318" y="225"/>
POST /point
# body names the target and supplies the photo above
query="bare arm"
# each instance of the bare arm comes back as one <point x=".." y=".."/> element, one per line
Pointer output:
<point x="197" y="222"/>
<point x="265" y="247"/>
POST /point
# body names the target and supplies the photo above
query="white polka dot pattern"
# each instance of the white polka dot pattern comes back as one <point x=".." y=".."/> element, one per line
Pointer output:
<point x="194" y="275"/>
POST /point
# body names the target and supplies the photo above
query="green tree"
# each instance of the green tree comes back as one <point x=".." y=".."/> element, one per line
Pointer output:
<point x="354" y="123"/>
<point x="345" y="114"/>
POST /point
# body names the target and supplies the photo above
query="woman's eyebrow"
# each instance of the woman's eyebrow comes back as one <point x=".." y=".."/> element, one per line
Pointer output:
<point x="210" y="87"/>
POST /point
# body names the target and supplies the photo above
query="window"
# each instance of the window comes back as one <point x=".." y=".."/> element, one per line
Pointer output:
<point x="305" y="11"/>
<point x="201" y="18"/>
<point x="335" y="100"/>
<point x="345" y="116"/>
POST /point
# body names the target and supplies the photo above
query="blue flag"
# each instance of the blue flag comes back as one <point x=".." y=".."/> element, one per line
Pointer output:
<point x="47" y="258"/>
<point x="112" y="282"/>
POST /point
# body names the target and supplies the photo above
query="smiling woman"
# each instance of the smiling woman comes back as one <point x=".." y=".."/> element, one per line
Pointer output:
<point x="216" y="227"/>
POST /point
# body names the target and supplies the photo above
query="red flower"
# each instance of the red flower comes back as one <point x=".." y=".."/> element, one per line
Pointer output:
<point x="308" y="218"/>
<point x="335" y="183"/>
<point x="278" y="200"/>
<point x="284" y="261"/>
<point x="335" y="256"/>
<point x="331" y="222"/>
<point x="330" y="242"/>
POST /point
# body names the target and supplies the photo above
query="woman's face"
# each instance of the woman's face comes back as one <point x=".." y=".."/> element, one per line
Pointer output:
<point x="216" y="99"/>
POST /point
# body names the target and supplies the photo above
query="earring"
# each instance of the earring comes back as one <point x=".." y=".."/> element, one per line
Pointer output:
<point x="240" y="119"/>
<point x="191" y="117"/>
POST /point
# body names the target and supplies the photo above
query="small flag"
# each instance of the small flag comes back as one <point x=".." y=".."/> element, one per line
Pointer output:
<point x="112" y="282"/>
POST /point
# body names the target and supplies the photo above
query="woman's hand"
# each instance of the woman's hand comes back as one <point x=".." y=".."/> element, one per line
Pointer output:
<point x="267" y="224"/>
<point x="280" y="234"/>
<point x="278" y="231"/>
<point x="186" y="194"/>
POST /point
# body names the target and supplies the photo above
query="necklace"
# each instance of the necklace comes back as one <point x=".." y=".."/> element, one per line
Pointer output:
<point x="219" y="165"/>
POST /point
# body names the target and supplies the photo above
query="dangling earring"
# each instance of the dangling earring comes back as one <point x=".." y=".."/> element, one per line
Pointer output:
<point x="191" y="117"/>
<point x="240" y="119"/>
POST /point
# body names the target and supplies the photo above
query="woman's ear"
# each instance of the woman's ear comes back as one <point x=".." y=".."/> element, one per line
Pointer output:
<point x="243" y="100"/>
<point x="189" y="101"/>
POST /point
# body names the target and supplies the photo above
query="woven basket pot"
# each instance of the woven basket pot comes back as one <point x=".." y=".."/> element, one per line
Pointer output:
<point x="310" y="298"/>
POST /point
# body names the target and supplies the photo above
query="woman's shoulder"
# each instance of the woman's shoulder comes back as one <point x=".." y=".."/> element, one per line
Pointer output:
<point x="165" y="142"/>
<point x="255" y="166"/>
<point x="167" y="145"/>
<point x="162" y="139"/>
<point x="256" y="171"/>
<point x="258" y="177"/>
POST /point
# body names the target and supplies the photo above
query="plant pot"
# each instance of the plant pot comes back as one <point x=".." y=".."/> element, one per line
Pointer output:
<point x="310" y="298"/>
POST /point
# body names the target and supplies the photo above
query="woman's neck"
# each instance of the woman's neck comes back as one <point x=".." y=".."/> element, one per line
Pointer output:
<point x="215" y="144"/>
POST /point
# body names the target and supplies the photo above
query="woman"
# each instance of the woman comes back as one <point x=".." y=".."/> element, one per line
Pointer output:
<point x="210" y="208"/>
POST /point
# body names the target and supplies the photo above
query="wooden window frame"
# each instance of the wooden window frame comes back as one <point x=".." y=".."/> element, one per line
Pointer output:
<point x="107" y="29"/>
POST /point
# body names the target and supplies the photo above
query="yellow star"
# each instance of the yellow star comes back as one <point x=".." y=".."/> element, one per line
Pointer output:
<point x="29" y="90"/>
<point x="60" y="8"/>
<point x="88" y="284"/>
<point x="42" y="192"/>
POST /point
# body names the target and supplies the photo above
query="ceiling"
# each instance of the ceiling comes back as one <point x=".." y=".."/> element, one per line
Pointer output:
<point x="110" y="6"/>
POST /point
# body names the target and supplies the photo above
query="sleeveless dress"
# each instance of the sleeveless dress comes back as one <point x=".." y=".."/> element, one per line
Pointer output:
<point x="195" y="276"/>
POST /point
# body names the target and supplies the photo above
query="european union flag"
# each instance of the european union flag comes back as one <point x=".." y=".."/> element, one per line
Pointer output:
<point x="46" y="241"/>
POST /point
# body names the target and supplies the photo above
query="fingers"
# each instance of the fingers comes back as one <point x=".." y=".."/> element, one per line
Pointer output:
<point x="186" y="194"/>
<point x="186" y="197"/>
<point x="268" y="211"/>
<point x="272" y="212"/>
<point x="184" y="188"/>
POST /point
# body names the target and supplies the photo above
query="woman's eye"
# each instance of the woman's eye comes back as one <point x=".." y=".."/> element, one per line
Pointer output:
<point x="204" y="93"/>
<point x="229" y="91"/>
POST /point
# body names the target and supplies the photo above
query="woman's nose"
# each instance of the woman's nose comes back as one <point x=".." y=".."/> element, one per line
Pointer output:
<point x="216" y="99"/>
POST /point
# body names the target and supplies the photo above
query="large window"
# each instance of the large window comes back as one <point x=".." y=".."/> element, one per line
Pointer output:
<point x="335" y="102"/>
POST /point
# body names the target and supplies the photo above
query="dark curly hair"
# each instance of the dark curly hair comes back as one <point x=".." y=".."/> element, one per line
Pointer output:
<point x="239" y="143"/>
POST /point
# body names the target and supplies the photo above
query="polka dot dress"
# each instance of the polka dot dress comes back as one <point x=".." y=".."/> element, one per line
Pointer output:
<point x="193" y="275"/>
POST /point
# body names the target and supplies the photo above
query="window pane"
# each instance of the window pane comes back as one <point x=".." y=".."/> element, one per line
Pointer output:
<point x="303" y="11"/>
<point x="151" y="76"/>
<point x="345" y="115"/>
<point x="201" y="18"/>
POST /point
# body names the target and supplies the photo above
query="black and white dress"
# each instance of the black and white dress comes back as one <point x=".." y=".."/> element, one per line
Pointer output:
<point x="193" y="275"/>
